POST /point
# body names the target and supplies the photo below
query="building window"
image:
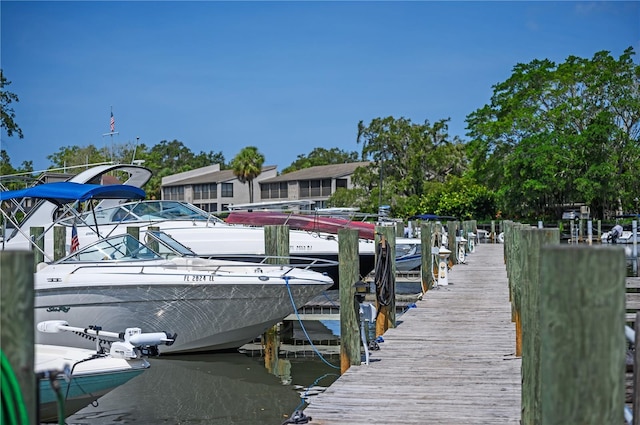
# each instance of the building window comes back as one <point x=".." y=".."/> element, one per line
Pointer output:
<point x="283" y="188"/>
<point x="274" y="190"/>
<point x="325" y="189"/>
<point x="341" y="183"/>
<point x="208" y="207"/>
<point x="304" y="188"/>
<point x="173" y="193"/>
<point x="205" y="191"/>
<point x="226" y="190"/>
<point x="315" y="188"/>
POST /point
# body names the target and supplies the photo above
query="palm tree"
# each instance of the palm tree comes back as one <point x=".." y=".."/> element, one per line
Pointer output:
<point x="247" y="165"/>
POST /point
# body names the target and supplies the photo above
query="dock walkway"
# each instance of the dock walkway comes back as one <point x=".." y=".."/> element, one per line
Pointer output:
<point x="450" y="360"/>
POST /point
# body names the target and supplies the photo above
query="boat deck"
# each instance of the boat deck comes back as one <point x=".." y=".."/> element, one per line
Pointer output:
<point x="450" y="360"/>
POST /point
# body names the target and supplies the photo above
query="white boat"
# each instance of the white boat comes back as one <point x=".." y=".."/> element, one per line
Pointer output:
<point x="70" y="378"/>
<point x="408" y="254"/>
<point x="408" y="250"/>
<point x="204" y="233"/>
<point x="625" y="238"/>
<point x="212" y="304"/>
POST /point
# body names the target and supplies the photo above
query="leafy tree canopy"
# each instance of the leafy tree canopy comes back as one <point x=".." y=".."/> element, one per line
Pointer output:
<point x="459" y="197"/>
<point x="167" y="158"/>
<point x="555" y="135"/>
<point x="163" y="159"/>
<point x="405" y="157"/>
<point x="7" y="114"/>
<point x="321" y="156"/>
<point x="14" y="178"/>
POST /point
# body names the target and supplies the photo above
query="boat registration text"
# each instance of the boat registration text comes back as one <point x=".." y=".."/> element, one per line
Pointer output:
<point x="198" y="278"/>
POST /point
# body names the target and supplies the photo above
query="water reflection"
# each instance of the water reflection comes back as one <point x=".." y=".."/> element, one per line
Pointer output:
<point x="221" y="388"/>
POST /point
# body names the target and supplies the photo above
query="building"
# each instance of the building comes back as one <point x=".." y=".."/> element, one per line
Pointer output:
<point x="211" y="188"/>
<point x="316" y="184"/>
<point x="214" y="190"/>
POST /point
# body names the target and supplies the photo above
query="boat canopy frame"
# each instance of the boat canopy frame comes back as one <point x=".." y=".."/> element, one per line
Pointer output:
<point x="68" y="196"/>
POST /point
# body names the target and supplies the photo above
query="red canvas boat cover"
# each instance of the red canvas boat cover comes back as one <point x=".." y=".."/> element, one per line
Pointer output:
<point x="308" y="222"/>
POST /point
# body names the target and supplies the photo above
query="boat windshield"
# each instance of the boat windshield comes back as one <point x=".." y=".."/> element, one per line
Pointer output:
<point x="405" y="249"/>
<point x="145" y="211"/>
<point x="115" y="248"/>
<point x="166" y="246"/>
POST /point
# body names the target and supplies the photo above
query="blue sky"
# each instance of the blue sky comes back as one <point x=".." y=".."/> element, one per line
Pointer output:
<point x="283" y="76"/>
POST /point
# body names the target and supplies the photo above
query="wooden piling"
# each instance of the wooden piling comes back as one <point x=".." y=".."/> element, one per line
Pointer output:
<point x="17" y="318"/>
<point x="276" y="245"/>
<point x="532" y="242"/>
<point x="582" y="340"/>
<point x="349" y="274"/>
<point x="271" y="345"/>
<point x="37" y="236"/>
<point x="466" y="229"/>
<point x="493" y="237"/>
<point x="400" y="229"/>
<point x="426" y="269"/>
<point x="59" y="242"/>
<point x="387" y="314"/>
<point x="516" y="257"/>
<point x="134" y="231"/>
<point x="276" y="242"/>
<point x="636" y="375"/>
<point x="152" y="243"/>
<point x="452" y="231"/>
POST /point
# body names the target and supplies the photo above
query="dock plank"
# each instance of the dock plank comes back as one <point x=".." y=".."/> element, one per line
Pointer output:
<point x="450" y="360"/>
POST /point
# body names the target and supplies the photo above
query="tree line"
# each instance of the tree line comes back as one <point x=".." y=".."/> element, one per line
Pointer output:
<point x="551" y="137"/>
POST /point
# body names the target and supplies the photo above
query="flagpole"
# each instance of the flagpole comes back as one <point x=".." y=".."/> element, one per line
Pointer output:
<point x="112" y="127"/>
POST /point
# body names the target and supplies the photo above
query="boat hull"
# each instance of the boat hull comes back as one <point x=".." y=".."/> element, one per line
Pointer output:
<point x="206" y="317"/>
<point x="625" y="238"/>
<point x="408" y="263"/>
<point x="90" y="379"/>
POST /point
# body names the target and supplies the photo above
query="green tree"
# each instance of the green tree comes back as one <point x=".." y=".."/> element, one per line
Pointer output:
<point x="554" y="135"/>
<point x="405" y="157"/>
<point x="5" y="164"/>
<point x="70" y="156"/>
<point x="163" y="159"/>
<point x="7" y="113"/>
<point x="322" y="156"/>
<point x="14" y="178"/>
<point x="247" y="165"/>
<point x="459" y="197"/>
<point x="167" y="158"/>
<point x="357" y="198"/>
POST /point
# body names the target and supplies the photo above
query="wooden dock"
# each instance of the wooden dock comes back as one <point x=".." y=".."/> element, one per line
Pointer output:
<point x="450" y="360"/>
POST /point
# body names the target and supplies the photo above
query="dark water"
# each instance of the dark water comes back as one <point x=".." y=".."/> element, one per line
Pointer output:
<point x="227" y="388"/>
<point x="220" y="388"/>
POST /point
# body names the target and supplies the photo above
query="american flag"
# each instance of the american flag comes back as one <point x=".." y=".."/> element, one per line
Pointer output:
<point x="75" y="242"/>
<point x="113" y="123"/>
